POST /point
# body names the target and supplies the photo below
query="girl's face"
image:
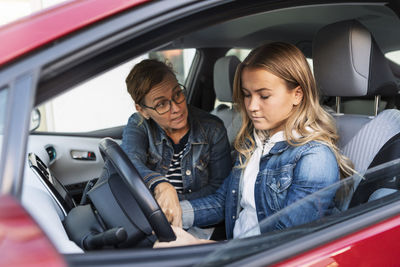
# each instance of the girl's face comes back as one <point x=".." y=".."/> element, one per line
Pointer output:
<point x="267" y="99"/>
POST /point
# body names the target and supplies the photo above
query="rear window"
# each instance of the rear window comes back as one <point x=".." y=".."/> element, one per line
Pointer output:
<point x="394" y="56"/>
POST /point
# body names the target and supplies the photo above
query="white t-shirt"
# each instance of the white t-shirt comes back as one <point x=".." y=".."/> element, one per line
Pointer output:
<point x="247" y="223"/>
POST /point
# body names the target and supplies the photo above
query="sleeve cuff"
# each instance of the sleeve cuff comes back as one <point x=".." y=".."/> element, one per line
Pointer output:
<point x="187" y="214"/>
<point x="155" y="183"/>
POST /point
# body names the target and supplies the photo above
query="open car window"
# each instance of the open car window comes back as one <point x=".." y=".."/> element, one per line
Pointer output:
<point x="103" y="102"/>
<point x="212" y="27"/>
<point x="378" y="188"/>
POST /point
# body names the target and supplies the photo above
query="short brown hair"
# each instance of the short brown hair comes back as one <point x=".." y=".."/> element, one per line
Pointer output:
<point x="144" y="76"/>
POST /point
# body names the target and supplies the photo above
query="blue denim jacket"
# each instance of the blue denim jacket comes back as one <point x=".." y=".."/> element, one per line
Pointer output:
<point x="206" y="160"/>
<point x="287" y="174"/>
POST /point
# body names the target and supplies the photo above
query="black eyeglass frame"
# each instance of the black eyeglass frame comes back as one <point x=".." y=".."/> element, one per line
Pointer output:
<point x="183" y="89"/>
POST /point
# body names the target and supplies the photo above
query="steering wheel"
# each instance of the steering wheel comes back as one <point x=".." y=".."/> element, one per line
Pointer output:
<point x="110" y="150"/>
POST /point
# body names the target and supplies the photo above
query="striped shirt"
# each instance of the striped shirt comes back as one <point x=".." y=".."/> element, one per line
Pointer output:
<point x="174" y="174"/>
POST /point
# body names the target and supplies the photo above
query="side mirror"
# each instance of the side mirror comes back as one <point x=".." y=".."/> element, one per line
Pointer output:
<point x="35" y="120"/>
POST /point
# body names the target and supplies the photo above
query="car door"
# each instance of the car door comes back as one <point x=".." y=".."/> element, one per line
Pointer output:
<point x="72" y="60"/>
<point x="19" y="232"/>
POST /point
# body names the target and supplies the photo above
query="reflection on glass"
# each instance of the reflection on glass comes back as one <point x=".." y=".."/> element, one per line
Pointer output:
<point x="384" y="179"/>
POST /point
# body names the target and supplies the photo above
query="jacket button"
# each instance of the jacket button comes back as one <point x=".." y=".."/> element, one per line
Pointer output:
<point x="188" y="172"/>
<point x="233" y="217"/>
<point x="233" y="191"/>
<point x="190" y="190"/>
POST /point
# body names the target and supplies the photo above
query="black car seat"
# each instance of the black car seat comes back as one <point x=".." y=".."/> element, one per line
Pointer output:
<point x="224" y="73"/>
<point x="348" y="62"/>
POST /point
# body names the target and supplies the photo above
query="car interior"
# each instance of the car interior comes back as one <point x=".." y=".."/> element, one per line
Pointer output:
<point x="346" y="44"/>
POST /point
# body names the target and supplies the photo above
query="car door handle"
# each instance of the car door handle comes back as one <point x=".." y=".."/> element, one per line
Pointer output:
<point x="83" y="155"/>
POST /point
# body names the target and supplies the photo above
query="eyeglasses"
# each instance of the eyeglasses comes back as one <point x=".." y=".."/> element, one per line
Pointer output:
<point x="165" y="105"/>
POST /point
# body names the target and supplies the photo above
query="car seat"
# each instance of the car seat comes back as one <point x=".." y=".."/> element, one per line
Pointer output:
<point x="348" y="62"/>
<point x="224" y="73"/>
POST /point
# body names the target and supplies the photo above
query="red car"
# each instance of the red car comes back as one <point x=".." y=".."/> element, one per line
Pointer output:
<point x="60" y="96"/>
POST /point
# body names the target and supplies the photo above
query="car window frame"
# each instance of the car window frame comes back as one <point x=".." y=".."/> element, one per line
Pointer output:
<point x="56" y="52"/>
<point x="21" y="90"/>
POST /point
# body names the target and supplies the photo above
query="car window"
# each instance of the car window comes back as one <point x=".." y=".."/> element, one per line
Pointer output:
<point x="103" y="101"/>
<point x="394" y="56"/>
<point x="382" y="179"/>
<point x="3" y="106"/>
<point x="239" y="52"/>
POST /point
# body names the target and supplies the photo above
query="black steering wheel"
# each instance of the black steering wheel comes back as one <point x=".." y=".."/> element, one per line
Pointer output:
<point x="110" y="150"/>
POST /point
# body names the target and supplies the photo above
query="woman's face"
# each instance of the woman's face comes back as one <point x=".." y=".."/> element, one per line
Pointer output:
<point x="267" y="99"/>
<point x="176" y="119"/>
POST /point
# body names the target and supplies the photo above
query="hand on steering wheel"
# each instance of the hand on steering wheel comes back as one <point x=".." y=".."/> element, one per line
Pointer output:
<point x="168" y="200"/>
<point x="110" y="150"/>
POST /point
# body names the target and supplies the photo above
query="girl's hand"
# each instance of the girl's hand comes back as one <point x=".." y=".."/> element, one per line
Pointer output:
<point x="183" y="238"/>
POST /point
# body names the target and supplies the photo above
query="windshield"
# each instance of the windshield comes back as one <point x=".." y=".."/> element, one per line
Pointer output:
<point x="360" y="199"/>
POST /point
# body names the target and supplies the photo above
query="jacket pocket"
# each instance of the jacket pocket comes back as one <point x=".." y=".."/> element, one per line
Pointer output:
<point x="153" y="160"/>
<point x="201" y="169"/>
<point x="278" y="181"/>
<point x="202" y="163"/>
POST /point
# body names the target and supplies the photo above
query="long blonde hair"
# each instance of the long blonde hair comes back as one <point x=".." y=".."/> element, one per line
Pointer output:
<point x="287" y="62"/>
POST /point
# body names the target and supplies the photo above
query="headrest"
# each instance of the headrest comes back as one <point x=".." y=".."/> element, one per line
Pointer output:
<point x="348" y="62"/>
<point x="224" y="73"/>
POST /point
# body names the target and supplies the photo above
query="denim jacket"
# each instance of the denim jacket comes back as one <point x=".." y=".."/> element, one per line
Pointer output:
<point x="206" y="159"/>
<point x="287" y="174"/>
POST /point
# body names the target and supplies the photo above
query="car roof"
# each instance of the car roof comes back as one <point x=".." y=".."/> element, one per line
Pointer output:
<point x="297" y="26"/>
<point x="54" y="23"/>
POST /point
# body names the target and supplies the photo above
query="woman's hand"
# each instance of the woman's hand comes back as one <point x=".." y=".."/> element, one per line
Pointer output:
<point x="183" y="238"/>
<point x="167" y="198"/>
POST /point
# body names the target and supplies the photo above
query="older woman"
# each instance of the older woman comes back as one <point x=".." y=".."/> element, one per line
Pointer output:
<point x="181" y="152"/>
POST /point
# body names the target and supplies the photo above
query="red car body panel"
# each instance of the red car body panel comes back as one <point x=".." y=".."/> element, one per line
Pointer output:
<point x="28" y="34"/>
<point x="364" y="248"/>
<point x="22" y="242"/>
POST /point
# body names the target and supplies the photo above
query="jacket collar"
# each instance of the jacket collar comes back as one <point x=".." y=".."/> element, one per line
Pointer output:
<point x="279" y="147"/>
<point x="197" y="133"/>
